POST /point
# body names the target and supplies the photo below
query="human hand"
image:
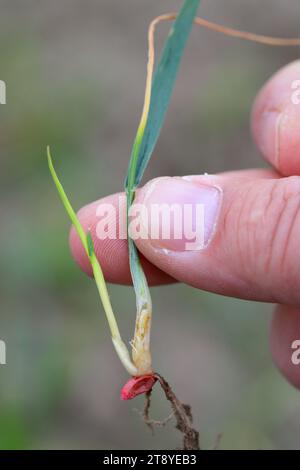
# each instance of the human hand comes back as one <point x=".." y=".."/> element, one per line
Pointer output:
<point x="252" y="224"/>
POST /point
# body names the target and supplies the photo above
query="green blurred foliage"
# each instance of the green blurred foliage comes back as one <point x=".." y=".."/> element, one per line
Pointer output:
<point x="75" y="75"/>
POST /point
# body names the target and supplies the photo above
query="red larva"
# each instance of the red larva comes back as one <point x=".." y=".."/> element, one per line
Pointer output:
<point x="137" y="385"/>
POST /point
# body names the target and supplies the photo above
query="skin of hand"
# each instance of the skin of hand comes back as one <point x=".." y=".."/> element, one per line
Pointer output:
<point x="252" y="224"/>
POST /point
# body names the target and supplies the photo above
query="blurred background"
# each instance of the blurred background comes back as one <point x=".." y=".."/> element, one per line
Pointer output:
<point x="75" y="74"/>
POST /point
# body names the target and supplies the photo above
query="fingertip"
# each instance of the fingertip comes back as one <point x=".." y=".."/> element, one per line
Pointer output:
<point x="86" y="216"/>
<point x="275" y="120"/>
<point x="111" y="252"/>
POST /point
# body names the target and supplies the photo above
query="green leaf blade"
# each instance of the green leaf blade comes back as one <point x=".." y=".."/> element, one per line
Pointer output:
<point x="162" y="87"/>
<point x="67" y="205"/>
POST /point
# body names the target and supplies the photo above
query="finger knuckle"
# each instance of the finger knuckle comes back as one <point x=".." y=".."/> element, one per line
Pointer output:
<point x="264" y="224"/>
<point x="275" y="231"/>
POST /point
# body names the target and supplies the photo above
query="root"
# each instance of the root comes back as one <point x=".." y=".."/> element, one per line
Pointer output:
<point x="180" y="411"/>
<point x="183" y="416"/>
<point x="152" y="423"/>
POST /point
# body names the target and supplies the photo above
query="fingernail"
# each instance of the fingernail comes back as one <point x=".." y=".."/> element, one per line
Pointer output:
<point x="181" y="214"/>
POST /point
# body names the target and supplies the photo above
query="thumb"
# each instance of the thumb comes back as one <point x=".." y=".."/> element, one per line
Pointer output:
<point x="250" y="233"/>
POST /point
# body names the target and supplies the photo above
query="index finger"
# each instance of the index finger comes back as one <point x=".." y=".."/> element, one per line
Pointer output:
<point x="276" y="120"/>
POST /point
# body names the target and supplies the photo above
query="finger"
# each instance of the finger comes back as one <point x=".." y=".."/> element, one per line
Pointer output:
<point x="285" y="342"/>
<point x="111" y="252"/>
<point x="251" y="235"/>
<point x="276" y="120"/>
